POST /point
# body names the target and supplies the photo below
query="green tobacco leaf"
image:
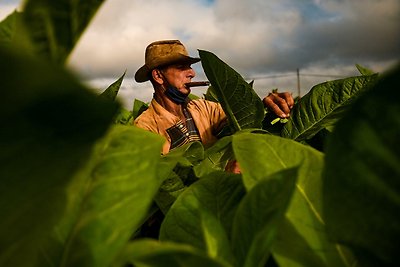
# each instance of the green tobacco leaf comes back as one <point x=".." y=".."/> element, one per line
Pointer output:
<point x="124" y="117"/>
<point x="49" y="125"/>
<point x="148" y="252"/>
<point x="13" y="33"/>
<point x="240" y="102"/>
<point x="262" y="155"/>
<point x="215" y="157"/>
<point x="203" y="214"/>
<point x="324" y="105"/>
<point x="259" y="215"/>
<point x="174" y="163"/>
<point x="112" y="91"/>
<point x="115" y="197"/>
<point x="56" y="26"/>
<point x="211" y="95"/>
<point x="363" y="70"/>
<point x="362" y="188"/>
<point x="187" y="155"/>
<point x="8" y="27"/>
<point x="138" y="107"/>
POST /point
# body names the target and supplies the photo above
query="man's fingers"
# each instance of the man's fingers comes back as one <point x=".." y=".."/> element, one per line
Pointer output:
<point x="278" y="104"/>
<point x="269" y="102"/>
<point x="289" y="99"/>
<point x="283" y="105"/>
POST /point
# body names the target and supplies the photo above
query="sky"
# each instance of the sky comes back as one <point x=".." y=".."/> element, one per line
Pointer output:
<point x="264" y="40"/>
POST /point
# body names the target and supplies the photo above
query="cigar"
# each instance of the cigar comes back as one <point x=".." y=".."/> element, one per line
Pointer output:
<point x="194" y="84"/>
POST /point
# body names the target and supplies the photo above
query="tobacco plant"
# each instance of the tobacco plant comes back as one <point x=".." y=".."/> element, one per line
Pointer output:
<point x="79" y="182"/>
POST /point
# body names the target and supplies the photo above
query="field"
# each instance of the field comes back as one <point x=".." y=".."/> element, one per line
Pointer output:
<point x="81" y="186"/>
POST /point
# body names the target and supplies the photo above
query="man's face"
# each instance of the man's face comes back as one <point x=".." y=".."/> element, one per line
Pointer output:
<point x="179" y="74"/>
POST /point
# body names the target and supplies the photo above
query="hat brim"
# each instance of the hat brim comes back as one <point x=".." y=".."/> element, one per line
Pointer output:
<point x="143" y="73"/>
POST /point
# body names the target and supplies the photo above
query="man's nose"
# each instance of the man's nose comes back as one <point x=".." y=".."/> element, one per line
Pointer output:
<point x="191" y="73"/>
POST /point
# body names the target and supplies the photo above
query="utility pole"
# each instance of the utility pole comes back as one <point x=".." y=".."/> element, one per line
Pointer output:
<point x="298" y="82"/>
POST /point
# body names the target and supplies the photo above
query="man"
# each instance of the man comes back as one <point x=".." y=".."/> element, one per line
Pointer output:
<point x="171" y="113"/>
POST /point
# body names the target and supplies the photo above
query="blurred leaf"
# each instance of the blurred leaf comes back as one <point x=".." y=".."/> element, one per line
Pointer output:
<point x="362" y="188"/>
<point x="112" y="91"/>
<point x="324" y="105"/>
<point x="115" y="197"/>
<point x="124" y="117"/>
<point x="193" y="97"/>
<point x="259" y="215"/>
<point x="13" y="33"/>
<point x="8" y="27"/>
<point x="202" y="215"/>
<point x="149" y="252"/>
<point x="240" y="102"/>
<point x="56" y="26"/>
<point x="49" y="125"/>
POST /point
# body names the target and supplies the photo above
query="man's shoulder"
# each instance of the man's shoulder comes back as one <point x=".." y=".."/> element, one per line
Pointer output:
<point x="202" y="103"/>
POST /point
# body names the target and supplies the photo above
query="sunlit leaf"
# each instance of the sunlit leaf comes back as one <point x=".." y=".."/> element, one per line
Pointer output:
<point x="303" y="232"/>
<point x="259" y="215"/>
<point x="240" y="102"/>
<point x="202" y="215"/>
<point x="324" y="105"/>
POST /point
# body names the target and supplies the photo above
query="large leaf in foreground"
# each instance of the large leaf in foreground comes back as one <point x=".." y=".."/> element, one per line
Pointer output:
<point x="259" y="215"/>
<point x="362" y="186"/>
<point x="49" y="123"/>
<point x="240" y="102"/>
<point x="261" y="155"/>
<point x="149" y="252"/>
<point x="323" y="106"/>
<point x="55" y="26"/>
<point x="13" y="33"/>
<point x="202" y="215"/>
<point x="115" y="196"/>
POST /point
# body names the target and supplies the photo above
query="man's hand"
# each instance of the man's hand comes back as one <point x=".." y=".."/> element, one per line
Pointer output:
<point x="279" y="103"/>
<point x="233" y="167"/>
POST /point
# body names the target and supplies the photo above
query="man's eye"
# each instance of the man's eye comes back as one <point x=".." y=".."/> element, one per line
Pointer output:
<point x="182" y="67"/>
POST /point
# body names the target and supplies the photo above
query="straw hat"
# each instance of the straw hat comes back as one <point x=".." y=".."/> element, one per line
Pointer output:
<point x="163" y="53"/>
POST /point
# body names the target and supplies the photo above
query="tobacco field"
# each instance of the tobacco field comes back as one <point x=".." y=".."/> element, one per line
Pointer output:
<point x="81" y="186"/>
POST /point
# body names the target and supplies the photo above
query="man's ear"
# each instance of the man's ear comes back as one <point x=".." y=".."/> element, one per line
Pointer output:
<point x="157" y="76"/>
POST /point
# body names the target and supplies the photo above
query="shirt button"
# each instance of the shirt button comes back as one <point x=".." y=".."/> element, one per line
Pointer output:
<point x="187" y="134"/>
<point x="180" y="126"/>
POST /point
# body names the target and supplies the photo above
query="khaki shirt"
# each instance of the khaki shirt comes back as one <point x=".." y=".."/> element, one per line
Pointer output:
<point x="208" y="117"/>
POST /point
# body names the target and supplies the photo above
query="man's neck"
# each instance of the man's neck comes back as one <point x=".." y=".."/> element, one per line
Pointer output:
<point x="168" y="104"/>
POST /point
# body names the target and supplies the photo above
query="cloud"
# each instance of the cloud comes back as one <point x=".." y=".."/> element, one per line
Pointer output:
<point x="7" y="7"/>
<point x="258" y="38"/>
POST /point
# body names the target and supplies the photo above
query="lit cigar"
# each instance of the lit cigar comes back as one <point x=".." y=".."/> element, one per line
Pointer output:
<point x="195" y="84"/>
